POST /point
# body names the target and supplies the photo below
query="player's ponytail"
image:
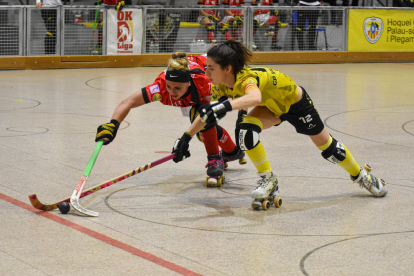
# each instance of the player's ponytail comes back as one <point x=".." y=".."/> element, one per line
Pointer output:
<point x="179" y="61"/>
<point x="232" y="53"/>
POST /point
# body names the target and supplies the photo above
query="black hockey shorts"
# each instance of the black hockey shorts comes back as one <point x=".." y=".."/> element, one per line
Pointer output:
<point x="304" y="116"/>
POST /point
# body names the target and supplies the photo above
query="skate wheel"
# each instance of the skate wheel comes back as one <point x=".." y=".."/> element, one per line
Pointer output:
<point x="367" y="167"/>
<point x="383" y="182"/>
<point x="211" y="181"/>
<point x="242" y="161"/>
<point x="255" y="206"/>
<point x="220" y="181"/>
<point x="278" y="202"/>
<point x="266" y="204"/>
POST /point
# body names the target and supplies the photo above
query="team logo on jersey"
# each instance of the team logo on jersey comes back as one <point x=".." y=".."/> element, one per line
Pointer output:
<point x="154" y="89"/>
<point x="156" y="97"/>
<point x="373" y="28"/>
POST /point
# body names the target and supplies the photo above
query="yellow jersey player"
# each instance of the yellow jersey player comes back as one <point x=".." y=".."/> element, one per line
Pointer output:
<point x="275" y="98"/>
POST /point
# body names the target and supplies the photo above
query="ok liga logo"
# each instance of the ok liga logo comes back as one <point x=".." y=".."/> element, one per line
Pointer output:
<point x="125" y="30"/>
<point x="373" y="28"/>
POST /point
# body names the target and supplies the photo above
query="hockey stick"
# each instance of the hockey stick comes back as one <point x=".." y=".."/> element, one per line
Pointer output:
<point x="74" y="199"/>
<point x="93" y="30"/>
<point x="48" y="207"/>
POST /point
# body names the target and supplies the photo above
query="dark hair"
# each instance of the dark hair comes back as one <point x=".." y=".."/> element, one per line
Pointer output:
<point x="232" y="53"/>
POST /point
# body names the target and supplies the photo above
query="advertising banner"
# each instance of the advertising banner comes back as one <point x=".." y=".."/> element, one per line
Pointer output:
<point x="380" y="30"/>
<point x="124" y="33"/>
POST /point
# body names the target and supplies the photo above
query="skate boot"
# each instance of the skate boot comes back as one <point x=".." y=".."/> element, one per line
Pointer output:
<point x="215" y="167"/>
<point x="238" y="156"/>
<point x="270" y="31"/>
<point x="374" y="185"/>
<point x="265" y="194"/>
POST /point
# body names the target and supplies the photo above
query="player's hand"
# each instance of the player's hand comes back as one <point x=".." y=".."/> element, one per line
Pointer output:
<point x="180" y="148"/>
<point x="38" y="5"/>
<point x="240" y="116"/>
<point x="120" y="5"/>
<point x="107" y="132"/>
<point x="213" y="112"/>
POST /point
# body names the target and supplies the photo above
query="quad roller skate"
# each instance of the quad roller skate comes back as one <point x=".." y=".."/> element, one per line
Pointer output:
<point x="265" y="195"/>
<point x="238" y="156"/>
<point x="374" y="185"/>
<point x="215" y="167"/>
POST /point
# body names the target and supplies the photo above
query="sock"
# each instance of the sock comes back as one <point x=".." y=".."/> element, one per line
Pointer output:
<point x="349" y="164"/>
<point x="259" y="159"/>
<point x="209" y="138"/>
<point x="226" y="143"/>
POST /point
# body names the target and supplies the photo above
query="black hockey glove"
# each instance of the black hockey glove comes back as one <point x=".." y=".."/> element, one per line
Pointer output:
<point x="240" y="116"/>
<point x="180" y="148"/>
<point x="120" y="5"/>
<point x="107" y="131"/>
<point x="213" y="112"/>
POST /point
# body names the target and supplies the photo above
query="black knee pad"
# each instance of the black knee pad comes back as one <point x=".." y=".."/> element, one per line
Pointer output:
<point x="210" y="27"/>
<point x="247" y="136"/>
<point x="219" y="130"/>
<point x="335" y="153"/>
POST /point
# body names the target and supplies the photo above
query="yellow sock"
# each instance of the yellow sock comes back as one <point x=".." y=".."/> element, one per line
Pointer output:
<point x="258" y="157"/>
<point x="349" y="164"/>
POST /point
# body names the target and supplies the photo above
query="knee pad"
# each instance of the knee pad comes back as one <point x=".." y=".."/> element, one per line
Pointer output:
<point x="335" y="153"/>
<point x="248" y="133"/>
<point x="210" y="27"/>
<point x="219" y="130"/>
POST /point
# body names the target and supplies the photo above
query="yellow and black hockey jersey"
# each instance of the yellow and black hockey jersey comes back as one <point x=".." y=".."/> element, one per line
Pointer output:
<point x="279" y="91"/>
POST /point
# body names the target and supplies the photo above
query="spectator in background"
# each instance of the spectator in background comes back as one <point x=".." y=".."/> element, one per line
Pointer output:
<point x="49" y="18"/>
<point x="234" y="17"/>
<point x="210" y="19"/>
<point x="310" y="17"/>
<point x="267" y="18"/>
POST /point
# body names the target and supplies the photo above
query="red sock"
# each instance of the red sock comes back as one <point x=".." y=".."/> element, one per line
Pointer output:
<point x="210" y="36"/>
<point x="227" y="36"/>
<point x="226" y="143"/>
<point x="209" y="138"/>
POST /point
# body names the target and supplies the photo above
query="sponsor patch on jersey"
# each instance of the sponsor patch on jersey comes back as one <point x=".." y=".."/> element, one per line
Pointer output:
<point x="154" y="89"/>
<point x="156" y="97"/>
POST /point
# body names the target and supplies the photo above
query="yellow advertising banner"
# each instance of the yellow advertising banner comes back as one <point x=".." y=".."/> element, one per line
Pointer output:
<point x="380" y="30"/>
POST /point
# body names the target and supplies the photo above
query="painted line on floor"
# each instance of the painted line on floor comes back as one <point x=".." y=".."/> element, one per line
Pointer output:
<point x="101" y="237"/>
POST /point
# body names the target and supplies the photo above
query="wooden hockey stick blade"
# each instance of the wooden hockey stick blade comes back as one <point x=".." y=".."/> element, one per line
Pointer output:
<point x="49" y="207"/>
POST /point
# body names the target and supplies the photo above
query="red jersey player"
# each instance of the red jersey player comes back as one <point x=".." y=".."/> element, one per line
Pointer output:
<point x="210" y="19"/>
<point x="183" y="84"/>
<point x="234" y="17"/>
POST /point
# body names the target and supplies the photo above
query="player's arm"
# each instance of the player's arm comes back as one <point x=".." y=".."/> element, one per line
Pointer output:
<point x="108" y="131"/>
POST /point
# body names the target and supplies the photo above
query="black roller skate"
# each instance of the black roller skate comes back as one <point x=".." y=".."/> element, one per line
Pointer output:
<point x="215" y="167"/>
<point x="238" y="156"/>
<point x="265" y="194"/>
<point x="367" y="180"/>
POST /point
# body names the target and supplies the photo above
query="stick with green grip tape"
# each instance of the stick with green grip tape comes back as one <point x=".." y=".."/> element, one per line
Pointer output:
<point x="74" y="199"/>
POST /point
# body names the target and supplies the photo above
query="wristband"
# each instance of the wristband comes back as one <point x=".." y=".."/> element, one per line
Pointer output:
<point x="227" y="105"/>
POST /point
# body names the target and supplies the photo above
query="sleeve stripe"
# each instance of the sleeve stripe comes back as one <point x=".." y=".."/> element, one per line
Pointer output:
<point x="144" y="94"/>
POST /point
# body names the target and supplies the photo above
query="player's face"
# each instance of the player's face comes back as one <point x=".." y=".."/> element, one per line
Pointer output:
<point x="177" y="89"/>
<point x="214" y="72"/>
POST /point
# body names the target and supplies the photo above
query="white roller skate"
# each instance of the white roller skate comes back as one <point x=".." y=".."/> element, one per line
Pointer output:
<point x="238" y="156"/>
<point x="374" y="185"/>
<point x="215" y="167"/>
<point x="265" y="194"/>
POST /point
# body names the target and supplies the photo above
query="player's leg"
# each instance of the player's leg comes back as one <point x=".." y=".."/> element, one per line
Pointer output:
<point x="230" y="152"/>
<point x="49" y="18"/>
<point x="305" y="118"/>
<point x="208" y="135"/>
<point x="248" y="139"/>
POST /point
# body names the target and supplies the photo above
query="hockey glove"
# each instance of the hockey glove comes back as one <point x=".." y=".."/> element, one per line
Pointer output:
<point x="120" y="5"/>
<point x="107" y="131"/>
<point x="180" y="148"/>
<point x="241" y="115"/>
<point x="213" y="112"/>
